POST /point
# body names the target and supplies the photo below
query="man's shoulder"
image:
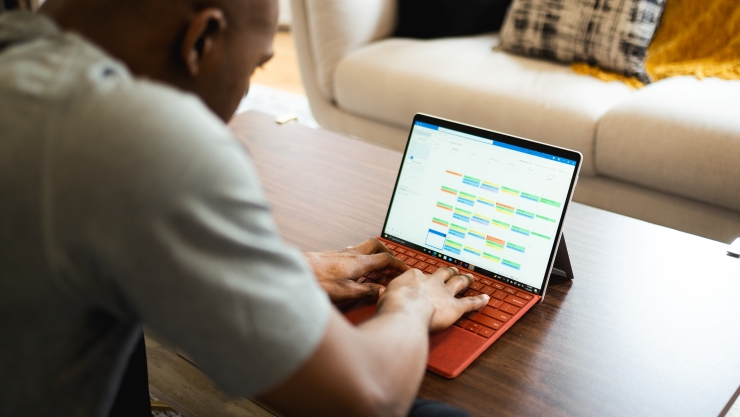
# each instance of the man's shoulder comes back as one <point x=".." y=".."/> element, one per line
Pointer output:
<point x="121" y="111"/>
<point x="66" y="80"/>
<point x="147" y="131"/>
<point x="126" y="104"/>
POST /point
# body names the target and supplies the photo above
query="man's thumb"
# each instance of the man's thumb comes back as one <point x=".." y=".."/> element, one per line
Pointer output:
<point x="373" y="291"/>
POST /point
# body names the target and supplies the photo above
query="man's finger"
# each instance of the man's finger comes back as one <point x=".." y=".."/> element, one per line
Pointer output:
<point x="386" y="260"/>
<point x="477" y="302"/>
<point x="459" y="283"/>
<point x="366" y="290"/>
<point x="369" y="247"/>
<point x="445" y="273"/>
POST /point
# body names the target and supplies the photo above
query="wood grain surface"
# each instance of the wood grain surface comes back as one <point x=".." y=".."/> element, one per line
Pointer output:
<point x="649" y="327"/>
<point x="185" y="388"/>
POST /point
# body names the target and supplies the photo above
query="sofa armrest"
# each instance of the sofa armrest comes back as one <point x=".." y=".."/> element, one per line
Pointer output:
<point x="327" y="30"/>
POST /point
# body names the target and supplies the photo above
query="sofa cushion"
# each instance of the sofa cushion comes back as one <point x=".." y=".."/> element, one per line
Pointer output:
<point x="679" y="135"/>
<point x="463" y="79"/>
<point x="336" y="27"/>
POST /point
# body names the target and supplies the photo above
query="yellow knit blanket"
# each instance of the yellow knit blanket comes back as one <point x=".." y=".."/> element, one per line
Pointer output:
<point x="695" y="37"/>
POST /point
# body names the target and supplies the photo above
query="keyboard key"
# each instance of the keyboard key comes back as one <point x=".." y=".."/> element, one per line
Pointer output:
<point x="371" y="281"/>
<point x="486" y="332"/>
<point x="496" y="314"/>
<point x="462" y="322"/>
<point x="384" y="280"/>
<point x="375" y="275"/>
<point x="399" y="250"/>
<point x="495" y="303"/>
<point x="499" y="295"/>
<point x="498" y="286"/>
<point x="430" y="269"/>
<point x="386" y="271"/>
<point x="421" y="265"/>
<point x="510" y="309"/>
<point x="476" y="286"/>
<point x="524" y="295"/>
<point x="402" y="257"/>
<point x="488" y="311"/>
<point x="470" y="293"/>
<point x="486" y="289"/>
<point x="486" y="281"/>
<point x="510" y="290"/>
<point x="431" y="261"/>
<point x="420" y="257"/>
<point x="472" y="326"/>
<point x="515" y="300"/>
<point x="411" y="261"/>
<point x="393" y="274"/>
<point x="485" y="320"/>
<point x="390" y="246"/>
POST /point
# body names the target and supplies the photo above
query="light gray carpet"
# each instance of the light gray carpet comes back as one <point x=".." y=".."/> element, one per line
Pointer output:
<point x="278" y="103"/>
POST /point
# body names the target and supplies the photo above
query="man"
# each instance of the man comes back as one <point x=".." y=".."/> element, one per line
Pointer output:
<point x="125" y="201"/>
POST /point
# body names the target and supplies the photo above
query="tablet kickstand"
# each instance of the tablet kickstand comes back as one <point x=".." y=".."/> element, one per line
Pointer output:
<point x="561" y="267"/>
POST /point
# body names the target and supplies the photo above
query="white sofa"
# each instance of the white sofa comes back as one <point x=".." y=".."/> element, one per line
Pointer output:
<point x="668" y="153"/>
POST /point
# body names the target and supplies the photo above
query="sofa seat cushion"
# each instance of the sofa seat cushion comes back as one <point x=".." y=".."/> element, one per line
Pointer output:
<point x="465" y="80"/>
<point x="679" y="135"/>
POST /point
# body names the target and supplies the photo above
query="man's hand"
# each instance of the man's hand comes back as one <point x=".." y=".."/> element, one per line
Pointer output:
<point x="352" y="373"/>
<point x="337" y="271"/>
<point x="435" y="292"/>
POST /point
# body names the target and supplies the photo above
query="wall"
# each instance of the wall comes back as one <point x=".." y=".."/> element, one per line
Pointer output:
<point x="286" y="17"/>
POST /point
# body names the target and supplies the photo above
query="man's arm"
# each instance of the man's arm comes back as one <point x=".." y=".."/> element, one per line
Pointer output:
<point x="376" y="369"/>
<point x="176" y="214"/>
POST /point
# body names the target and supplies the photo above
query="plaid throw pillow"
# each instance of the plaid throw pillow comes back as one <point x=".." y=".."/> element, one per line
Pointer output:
<point x="613" y="34"/>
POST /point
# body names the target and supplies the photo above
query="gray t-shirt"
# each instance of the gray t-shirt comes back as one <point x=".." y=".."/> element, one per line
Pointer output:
<point x="123" y="202"/>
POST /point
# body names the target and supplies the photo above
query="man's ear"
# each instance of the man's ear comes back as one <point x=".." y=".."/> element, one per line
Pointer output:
<point x="200" y="36"/>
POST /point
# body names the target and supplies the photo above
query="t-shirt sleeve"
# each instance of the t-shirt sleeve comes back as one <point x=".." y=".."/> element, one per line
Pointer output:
<point x="175" y="222"/>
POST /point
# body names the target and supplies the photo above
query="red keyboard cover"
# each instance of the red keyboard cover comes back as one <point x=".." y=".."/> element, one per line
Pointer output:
<point x="453" y="349"/>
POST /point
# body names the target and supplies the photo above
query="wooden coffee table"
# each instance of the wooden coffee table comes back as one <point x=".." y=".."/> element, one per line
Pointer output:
<point x="649" y="327"/>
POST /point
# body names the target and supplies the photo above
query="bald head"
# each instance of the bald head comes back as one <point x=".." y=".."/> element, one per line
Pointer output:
<point x="208" y="47"/>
